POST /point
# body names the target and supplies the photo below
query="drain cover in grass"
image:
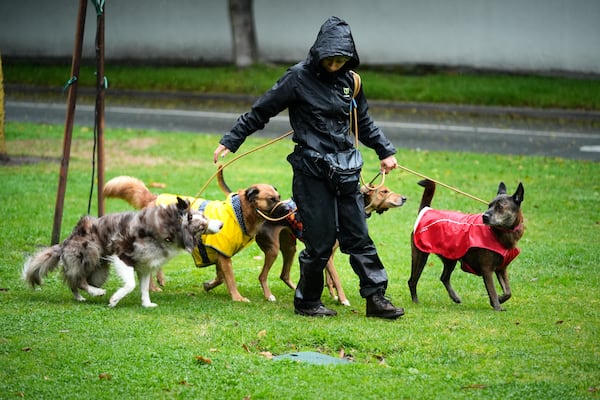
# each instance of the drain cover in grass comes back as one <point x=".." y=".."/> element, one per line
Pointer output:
<point x="312" y="357"/>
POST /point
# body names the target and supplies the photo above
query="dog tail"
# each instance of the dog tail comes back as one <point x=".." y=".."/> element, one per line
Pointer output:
<point x="130" y="189"/>
<point x="37" y="267"/>
<point x="221" y="181"/>
<point x="427" y="193"/>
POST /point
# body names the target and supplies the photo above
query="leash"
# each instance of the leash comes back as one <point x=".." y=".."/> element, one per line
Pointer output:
<point x="220" y="167"/>
<point x="442" y="184"/>
<point x="354" y="127"/>
<point x="269" y="218"/>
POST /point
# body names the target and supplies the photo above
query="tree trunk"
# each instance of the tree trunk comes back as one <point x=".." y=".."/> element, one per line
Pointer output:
<point x="241" y="15"/>
<point x="3" y="150"/>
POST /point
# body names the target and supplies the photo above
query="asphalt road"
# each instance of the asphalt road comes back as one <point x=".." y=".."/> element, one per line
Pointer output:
<point x="554" y="138"/>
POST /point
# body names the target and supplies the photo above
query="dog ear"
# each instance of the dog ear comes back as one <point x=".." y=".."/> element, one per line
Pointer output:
<point x="182" y="205"/>
<point x="251" y="193"/>
<point x="519" y="194"/>
<point x="501" y="188"/>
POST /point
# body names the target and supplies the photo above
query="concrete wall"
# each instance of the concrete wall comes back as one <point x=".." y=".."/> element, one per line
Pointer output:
<point x="525" y="35"/>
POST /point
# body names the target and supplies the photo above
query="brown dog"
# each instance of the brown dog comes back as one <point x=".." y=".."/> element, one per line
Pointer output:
<point x="484" y="243"/>
<point x="242" y="214"/>
<point x="281" y="235"/>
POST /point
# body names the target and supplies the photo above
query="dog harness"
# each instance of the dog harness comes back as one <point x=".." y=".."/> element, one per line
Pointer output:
<point x="231" y="239"/>
<point x="451" y="234"/>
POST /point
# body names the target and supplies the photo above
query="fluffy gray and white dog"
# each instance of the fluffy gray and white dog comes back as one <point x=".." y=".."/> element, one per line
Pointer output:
<point x="134" y="242"/>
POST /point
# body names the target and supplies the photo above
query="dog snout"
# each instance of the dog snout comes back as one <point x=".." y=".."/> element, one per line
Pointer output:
<point x="214" y="226"/>
<point x="486" y="217"/>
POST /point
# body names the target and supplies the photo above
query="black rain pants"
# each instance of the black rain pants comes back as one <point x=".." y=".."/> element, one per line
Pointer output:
<point x="328" y="214"/>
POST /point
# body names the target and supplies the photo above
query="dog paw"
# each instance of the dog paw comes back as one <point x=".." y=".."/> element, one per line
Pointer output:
<point x="241" y="299"/>
<point x="345" y="302"/>
<point x="79" y="297"/>
<point x="96" y="292"/>
<point x="271" y="298"/>
<point x="149" y="305"/>
<point x="113" y="302"/>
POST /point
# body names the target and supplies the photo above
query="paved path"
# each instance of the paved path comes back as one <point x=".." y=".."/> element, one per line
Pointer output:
<point x="505" y="136"/>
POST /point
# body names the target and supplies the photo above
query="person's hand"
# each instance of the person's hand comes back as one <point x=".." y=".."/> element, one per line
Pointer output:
<point x="388" y="164"/>
<point x="220" y="151"/>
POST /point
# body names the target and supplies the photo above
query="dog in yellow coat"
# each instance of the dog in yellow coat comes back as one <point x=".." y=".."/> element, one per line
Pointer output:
<point x="242" y="214"/>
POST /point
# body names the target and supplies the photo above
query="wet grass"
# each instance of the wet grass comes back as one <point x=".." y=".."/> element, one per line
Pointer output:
<point x="201" y="345"/>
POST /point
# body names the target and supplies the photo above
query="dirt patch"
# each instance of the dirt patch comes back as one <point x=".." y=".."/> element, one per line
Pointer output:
<point x="12" y="161"/>
<point x="118" y="153"/>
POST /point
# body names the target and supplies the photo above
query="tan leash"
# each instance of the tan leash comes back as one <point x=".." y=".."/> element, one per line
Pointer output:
<point x="220" y="167"/>
<point x="288" y="133"/>
<point x="354" y="125"/>
<point x="442" y="184"/>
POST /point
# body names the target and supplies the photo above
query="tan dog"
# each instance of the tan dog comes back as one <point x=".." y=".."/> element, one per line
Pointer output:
<point x="276" y="236"/>
<point x="242" y="214"/>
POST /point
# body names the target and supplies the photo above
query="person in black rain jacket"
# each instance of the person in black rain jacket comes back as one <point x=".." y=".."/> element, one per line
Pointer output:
<point x="318" y="94"/>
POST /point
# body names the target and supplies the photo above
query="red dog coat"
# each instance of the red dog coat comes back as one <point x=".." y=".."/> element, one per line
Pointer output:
<point x="451" y="234"/>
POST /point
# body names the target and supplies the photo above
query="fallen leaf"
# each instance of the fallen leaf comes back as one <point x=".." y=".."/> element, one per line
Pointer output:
<point x="213" y="350"/>
<point x="475" y="386"/>
<point x="245" y="347"/>
<point x="184" y="383"/>
<point x="262" y="333"/>
<point x="203" y="360"/>
<point x="593" y="389"/>
<point x="105" y="376"/>
<point x="266" y="354"/>
<point x="342" y="353"/>
<point x="560" y="322"/>
<point x="159" y="185"/>
<point x="26" y="349"/>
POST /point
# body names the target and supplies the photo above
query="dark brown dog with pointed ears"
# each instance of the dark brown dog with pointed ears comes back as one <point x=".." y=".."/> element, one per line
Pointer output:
<point x="484" y="243"/>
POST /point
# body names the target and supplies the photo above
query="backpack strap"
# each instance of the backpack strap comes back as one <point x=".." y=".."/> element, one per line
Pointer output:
<point x="353" y="106"/>
<point x="357" y="84"/>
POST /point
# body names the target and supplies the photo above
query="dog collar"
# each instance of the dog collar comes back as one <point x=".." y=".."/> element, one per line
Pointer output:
<point x="515" y="229"/>
<point x="237" y="209"/>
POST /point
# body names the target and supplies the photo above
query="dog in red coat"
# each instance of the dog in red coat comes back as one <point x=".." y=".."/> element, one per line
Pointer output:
<point x="485" y="244"/>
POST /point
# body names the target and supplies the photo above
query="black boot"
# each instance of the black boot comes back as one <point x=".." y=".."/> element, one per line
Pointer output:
<point x="380" y="307"/>
<point x="314" y="311"/>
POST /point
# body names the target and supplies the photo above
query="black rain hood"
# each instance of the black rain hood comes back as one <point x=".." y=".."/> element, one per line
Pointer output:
<point x="334" y="39"/>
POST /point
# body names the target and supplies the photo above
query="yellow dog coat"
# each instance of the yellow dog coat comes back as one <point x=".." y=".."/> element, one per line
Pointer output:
<point x="231" y="239"/>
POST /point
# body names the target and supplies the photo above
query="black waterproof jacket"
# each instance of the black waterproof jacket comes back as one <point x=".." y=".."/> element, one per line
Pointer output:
<point x="318" y="102"/>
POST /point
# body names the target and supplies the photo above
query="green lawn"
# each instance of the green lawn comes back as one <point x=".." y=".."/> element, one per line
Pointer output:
<point x="201" y="345"/>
